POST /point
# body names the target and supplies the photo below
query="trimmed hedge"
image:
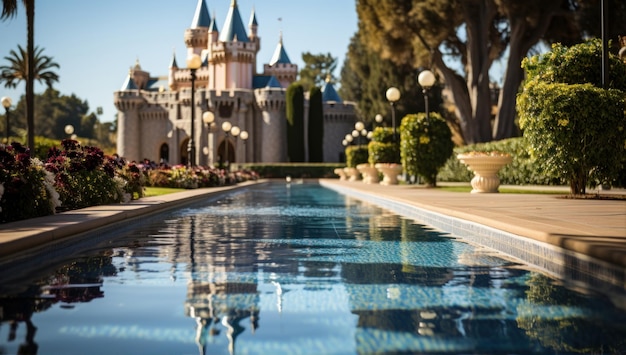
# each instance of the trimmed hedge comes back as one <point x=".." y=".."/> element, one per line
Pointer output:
<point x="382" y="148"/>
<point x="295" y="170"/>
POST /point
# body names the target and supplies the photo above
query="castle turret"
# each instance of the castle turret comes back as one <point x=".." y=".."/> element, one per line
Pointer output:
<point x="271" y="100"/>
<point x="280" y="66"/>
<point x="128" y="102"/>
<point x="173" y="69"/>
<point x="233" y="56"/>
<point x="197" y="36"/>
<point x="253" y="26"/>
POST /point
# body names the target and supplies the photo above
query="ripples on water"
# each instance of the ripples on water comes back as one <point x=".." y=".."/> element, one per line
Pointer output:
<point x="298" y="269"/>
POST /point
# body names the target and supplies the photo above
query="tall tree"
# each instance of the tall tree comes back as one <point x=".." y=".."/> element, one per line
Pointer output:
<point x="365" y="78"/>
<point x="316" y="126"/>
<point x="472" y="34"/>
<point x="295" y="122"/>
<point x="17" y="69"/>
<point x="9" y="9"/>
<point x="317" y="68"/>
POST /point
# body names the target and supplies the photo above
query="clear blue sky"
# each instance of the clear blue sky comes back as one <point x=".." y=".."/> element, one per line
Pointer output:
<point x="95" y="42"/>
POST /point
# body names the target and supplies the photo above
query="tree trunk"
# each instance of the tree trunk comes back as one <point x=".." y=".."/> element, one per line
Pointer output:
<point x="30" y="79"/>
<point x="479" y="18"/>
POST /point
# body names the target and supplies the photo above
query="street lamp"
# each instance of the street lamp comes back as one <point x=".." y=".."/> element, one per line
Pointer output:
<point x="69" y="129"/>
<point x="379" y="118"/>
<point x="426" y="79"/>
<point x="6" y="102"/>
<point x="244" y="137"/>
<point x="226" y="127"/>
<point x="208" y="117"/>
<point x="393" y="95"/>
<point x="193" y="63"/>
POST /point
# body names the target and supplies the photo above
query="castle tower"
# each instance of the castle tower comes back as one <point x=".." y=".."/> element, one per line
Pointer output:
<point x="253" y="26"/>
<point x="128" y="102"/>
<point x="197" y="36"/>
<point x="271" y="101"/>
<point x="233" y="56"/>
<point x="173" y="69"/>
<point x="280" y="66"/>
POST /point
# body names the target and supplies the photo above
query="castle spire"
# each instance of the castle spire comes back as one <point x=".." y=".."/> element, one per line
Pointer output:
<point x="233" y="27"/>
<point x="201" y="18"/>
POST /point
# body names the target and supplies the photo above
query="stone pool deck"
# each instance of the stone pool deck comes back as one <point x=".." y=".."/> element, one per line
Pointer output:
<point x="551" y="228"/>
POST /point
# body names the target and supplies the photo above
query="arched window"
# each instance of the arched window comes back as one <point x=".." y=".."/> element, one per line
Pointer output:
<point x="164" y="154"/>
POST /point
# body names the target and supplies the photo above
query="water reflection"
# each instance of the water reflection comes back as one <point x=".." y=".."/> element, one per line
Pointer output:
<point x="303" y="270"/>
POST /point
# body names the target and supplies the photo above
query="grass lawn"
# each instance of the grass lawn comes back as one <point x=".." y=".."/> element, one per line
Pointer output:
<point x="158" y="191"/>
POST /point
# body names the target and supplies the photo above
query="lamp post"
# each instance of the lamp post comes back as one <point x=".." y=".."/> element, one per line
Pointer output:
<point x="244" y="137"/>
<point x="226" y="127"/>
<point x="379" y="118"/>
<point x="234" y="131"/>
<point x="393" y="95"/>
<point x="69" y="130"/>
<point x="208" y="117"/>
<point x="193" y="63"/>
<point x="358" y="128"/>
<point x="426" y="79"/>
<point x="6" y="103"/>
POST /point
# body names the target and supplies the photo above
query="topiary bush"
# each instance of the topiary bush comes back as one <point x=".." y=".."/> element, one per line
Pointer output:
<point x="576" y="130"/>
<point x="382" y="148"/>
<point x="355" y="155"/>
<point x="425" y="145"/>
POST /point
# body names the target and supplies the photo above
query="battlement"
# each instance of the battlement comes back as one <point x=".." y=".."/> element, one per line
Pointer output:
<point x="197" y="37"/>
<point x="128" y="100"/>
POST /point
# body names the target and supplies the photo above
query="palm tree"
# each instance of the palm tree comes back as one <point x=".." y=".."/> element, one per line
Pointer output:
<point x="9" y="9"/>
<point x="16" y="71"/>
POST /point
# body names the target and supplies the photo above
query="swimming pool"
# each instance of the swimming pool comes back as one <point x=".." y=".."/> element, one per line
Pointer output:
<point x="295" y="269"/>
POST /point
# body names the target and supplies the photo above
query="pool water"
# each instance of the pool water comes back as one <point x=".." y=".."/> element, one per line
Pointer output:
<point x="295" y="269"/>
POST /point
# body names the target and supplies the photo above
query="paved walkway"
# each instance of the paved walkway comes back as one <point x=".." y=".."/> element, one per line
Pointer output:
<point x="592" y="227"/>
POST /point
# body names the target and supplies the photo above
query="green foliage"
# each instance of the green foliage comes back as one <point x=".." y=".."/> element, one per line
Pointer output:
<point x="17" y="70"/>
<point x="316" y="126"/>
<point x="382" y="148"/>
<point x="575" y="129"/>
<point x="425" y="145"/>
<point x="295" y="170"/>
<point x="579" y="64"/>
<point x="521" y="171"/>
<point x="355" y="155"/>
<point x="295" y="122"/>
<point x="317" y="68"/>
<point x="25" y="186"/>
<point x="84" y="176"/>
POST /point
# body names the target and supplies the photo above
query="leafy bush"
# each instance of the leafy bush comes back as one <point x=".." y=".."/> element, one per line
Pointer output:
<point x="84" y="176"/>
<point x="355" y="155"/>
<point x="295" y="170"/>
<point x="382" y="148"/>
<point x="26" y="188"/>
<point x="521" y="171"/>
<point x="425" y="145"/>
<point x="575" y="129"/>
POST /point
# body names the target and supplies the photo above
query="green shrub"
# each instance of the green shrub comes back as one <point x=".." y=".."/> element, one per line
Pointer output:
<point x="575" y="129"/>
<point x="382" y="148"/>
<point x="295" y="170"/>
<point x="425" y="145"/>
<point x="355" y="155"/>
<point x="521" y="171"/>
<point x="26" y="188"/>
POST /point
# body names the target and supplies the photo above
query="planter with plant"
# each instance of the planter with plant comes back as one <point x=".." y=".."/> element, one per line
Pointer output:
<point x="384" y="155"/>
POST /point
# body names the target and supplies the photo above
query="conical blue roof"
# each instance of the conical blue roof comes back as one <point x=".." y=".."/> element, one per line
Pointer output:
<point x="280" y="55"/>
<point x="201" y="18"/>
<point x="253" y="21"/>
<point x="213" y="25"/>
<point x="129" y="84"/>
<point x="233" y="27"/>
<point x="329" y="93"/>
<point x="173" y="63"/>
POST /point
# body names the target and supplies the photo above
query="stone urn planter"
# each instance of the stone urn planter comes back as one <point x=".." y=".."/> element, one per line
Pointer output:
<point x="369" y="173"/>
<point x="352" y="174"/>
<point x="390" y="172"/>
<point x="341" y="173"/>
<point x="485" y="167"/>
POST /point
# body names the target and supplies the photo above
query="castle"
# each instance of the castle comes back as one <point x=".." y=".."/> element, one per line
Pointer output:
<point x="155" y="114"/>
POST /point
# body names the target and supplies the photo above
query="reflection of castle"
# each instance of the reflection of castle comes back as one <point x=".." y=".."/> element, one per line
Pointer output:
<point x="154" y="113"/>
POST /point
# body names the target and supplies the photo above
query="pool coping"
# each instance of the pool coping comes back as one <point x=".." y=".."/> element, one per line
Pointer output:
<point x="574" y="268"/>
